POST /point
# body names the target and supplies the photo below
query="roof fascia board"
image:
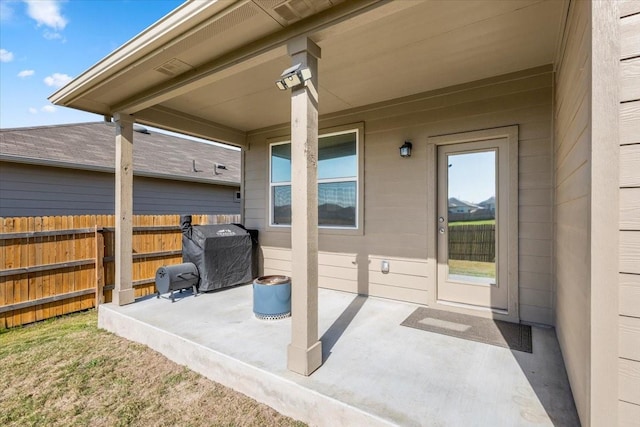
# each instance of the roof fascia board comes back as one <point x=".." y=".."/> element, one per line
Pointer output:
<point x="105" y="169"/>
<point x="53" y="163"/>
<point x="186" y="179"/>
<point x="176" y="121"/>
<point x="147" y="42"/>
<point x="251" y="54"/>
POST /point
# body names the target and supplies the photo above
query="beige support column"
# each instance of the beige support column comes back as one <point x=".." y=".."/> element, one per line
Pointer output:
<point x="305" y="350"/>
<point x="604" y="234"/>
<point x="123" y="292"/>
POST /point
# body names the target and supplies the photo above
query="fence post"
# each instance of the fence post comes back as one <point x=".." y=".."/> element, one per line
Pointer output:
<point x="99" y="266"/>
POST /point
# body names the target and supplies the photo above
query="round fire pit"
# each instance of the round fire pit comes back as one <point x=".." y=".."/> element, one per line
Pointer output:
<point x="272" y="297"/>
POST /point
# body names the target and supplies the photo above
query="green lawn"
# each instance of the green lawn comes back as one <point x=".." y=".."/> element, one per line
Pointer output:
<point x="67" y="372"/>
<point x="472" y="268"/>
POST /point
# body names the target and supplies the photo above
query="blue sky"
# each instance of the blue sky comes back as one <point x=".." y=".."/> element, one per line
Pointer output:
<point x="45" y="43"/>
<point x="472" y="176"/>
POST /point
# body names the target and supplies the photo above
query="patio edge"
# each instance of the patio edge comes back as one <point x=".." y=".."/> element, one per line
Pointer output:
<point x="285" y="396"/>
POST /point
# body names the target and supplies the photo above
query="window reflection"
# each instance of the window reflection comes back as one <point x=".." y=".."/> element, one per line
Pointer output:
<point x="337" y="181"/>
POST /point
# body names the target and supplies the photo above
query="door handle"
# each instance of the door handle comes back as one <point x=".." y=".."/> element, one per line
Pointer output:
<point x="441" y="229"/>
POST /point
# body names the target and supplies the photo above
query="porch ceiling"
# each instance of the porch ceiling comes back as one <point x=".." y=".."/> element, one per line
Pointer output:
<point x="384" y="51"/>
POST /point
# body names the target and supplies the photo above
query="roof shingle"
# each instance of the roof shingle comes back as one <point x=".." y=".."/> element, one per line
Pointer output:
<point x="92" y="146"/>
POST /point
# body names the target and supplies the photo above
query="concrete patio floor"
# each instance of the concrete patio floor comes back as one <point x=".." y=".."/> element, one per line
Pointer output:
<point x="375" y="371"/>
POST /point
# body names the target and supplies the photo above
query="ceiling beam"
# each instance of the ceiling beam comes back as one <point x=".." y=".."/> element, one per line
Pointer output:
<point x="176" y="121"/>
<point x="250" y="55"/>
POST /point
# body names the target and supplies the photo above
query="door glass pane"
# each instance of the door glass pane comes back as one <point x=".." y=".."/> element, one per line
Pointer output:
<point x="472" y="217"/>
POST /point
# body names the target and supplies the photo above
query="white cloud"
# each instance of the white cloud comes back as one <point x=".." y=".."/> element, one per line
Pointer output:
<point x="33" y="110"/>
<point x="57" y="80"/>
<point x="52" y="35"/>
<point x="26" y="73"/>
<point x="48" y="109"/>
<point x="5" y="55"/>
<point x="46" y="12"/>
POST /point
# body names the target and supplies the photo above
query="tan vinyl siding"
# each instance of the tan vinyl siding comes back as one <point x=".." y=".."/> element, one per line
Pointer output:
<point x="629" y="414"/>
<point x="629" y="84"/>
<point x="630" y="37"/>
<point x="629" y="164"/>
<point x="629" y="381"/>
<point x="407" y="278"/>
<point x="629" y="123"/>
<point x="630" y="337"/>
<point x="630" y="208"/>
<point x="572" y="145"/>
<point x="335" y="270"/>
<point x="395" y="189"/>
<point x="628" y="7"/>
<point x="27" y="190"/>
<point x="629" y="296"/>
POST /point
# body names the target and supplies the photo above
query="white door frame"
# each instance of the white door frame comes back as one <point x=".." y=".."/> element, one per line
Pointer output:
<point x="512" y="314"/>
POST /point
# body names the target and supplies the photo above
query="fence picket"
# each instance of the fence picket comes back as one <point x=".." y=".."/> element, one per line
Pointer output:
<point x="64" y="290"/>
<point x="3" y="280"/>
<point x="472" y="242"/>
<point x="23" y="284"/>
<point x="30" y="315"/>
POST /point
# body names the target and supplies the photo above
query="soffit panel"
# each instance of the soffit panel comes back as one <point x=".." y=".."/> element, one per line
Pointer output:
<point x="460" y="52"/>
<point x="428" y="46"/>
<point x="240" y="85"/>
<point x="265" y="108"/>
<point x="248" y="100"/>
<point x="230" y="30"/>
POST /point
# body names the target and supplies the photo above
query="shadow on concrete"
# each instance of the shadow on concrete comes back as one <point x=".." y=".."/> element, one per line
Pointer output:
<point x="549" y="381"/>
<point x="335" y="331"/>
<point x="177" y="295"/>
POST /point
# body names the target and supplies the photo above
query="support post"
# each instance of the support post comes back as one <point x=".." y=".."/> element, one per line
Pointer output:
<point x="123" y="292"/>
<point x="305" y="351"/>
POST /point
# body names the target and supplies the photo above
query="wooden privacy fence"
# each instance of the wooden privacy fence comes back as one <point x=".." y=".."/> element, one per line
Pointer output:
<point x="50" y="266"/>
<point x="472" y="242"/>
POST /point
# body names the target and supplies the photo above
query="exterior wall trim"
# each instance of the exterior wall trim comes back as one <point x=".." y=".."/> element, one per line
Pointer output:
<point x="359" y="231"/>
<point x="604" y="212"/>
<point x="511" y="133"/>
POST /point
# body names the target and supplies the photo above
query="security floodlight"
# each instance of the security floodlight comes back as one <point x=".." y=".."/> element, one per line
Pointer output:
<point x="293" y="76"/>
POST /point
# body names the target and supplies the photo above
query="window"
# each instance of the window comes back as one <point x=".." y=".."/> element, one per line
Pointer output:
<point x="337" y="181"/>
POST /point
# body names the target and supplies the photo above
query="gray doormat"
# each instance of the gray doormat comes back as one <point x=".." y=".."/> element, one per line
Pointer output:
<point x="495" y="332"/>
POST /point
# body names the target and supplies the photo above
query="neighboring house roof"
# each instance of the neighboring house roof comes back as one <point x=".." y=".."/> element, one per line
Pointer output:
<point x="91" y="146"/>
<point x="490" y="201"/>
<point x="456" y="203"/>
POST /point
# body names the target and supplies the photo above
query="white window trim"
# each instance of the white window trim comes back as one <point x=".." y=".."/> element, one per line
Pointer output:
<point x="358" y="129"/>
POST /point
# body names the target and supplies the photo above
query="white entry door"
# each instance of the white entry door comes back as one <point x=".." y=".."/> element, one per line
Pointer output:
<point x="472" y="224"/>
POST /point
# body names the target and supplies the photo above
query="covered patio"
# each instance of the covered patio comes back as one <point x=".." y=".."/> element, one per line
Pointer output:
<point x="530" y="80"/>
<point x="375" y="371"/>
<point x="363" y="67"/>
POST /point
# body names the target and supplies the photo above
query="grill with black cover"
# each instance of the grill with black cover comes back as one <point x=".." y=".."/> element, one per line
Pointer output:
<point x="224" y="254"/>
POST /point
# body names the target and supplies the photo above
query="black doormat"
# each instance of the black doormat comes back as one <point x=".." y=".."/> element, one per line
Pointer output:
<point x="495" y="332"/>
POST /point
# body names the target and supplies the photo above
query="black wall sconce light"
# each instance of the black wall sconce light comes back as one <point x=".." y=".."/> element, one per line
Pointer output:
<point x="405" y="149"/>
